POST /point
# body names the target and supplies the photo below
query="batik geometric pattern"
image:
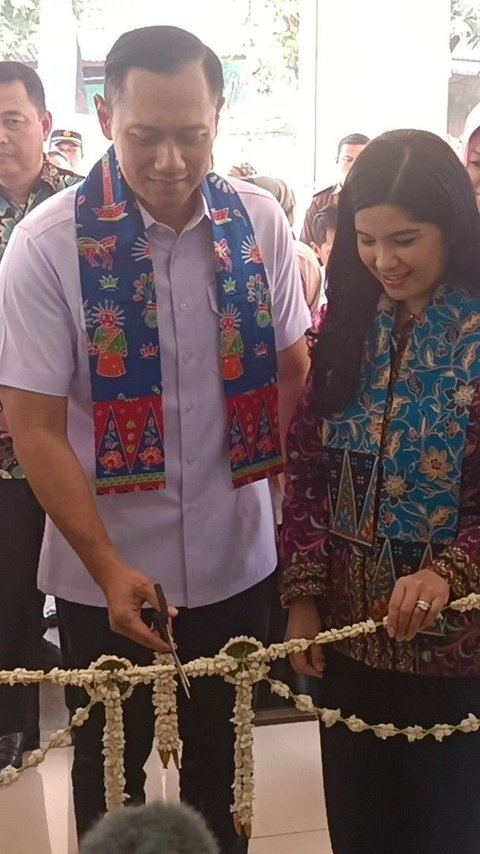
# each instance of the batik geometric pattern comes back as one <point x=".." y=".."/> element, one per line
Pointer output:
<point x="52" y="179"/>
<point x="394" y="457"/>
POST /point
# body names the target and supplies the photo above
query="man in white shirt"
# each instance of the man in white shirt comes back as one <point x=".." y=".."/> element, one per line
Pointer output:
<point x="210" y="545"/>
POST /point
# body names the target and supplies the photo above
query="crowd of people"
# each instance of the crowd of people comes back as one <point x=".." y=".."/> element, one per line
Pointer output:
<point x="167" y="350"/>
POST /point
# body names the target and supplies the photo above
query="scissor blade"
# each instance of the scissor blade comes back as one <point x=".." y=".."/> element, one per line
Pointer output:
<point x="178" y="664"/>
<point x="160" y="621"/>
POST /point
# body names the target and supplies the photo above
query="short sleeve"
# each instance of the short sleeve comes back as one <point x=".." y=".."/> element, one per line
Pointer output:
<point x="291" y="315"/>
<point x="37" y="330"/>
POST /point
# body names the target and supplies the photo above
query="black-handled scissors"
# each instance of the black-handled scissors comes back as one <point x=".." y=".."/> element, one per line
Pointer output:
<point x="160" y="622"/>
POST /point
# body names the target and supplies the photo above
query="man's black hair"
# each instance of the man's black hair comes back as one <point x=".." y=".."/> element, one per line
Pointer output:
<point x="11" y="71"/>
<point x="162" y="50"/>
<point x="352" y="139"/>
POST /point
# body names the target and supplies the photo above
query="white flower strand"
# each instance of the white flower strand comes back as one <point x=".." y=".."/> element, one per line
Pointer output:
<point x="243" y="784"/>
<point x="332" y="716"/>
<point x="60" y="738"/>
<point x="243" y="661"/>
<point x="112" y="692"/>
<point x="167" y="738"/>
<point x="467" y="603"/>
<point x="113" y="751"/>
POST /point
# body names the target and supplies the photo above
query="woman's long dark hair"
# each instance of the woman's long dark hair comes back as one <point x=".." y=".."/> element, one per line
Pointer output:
<point x="418" y="172"/>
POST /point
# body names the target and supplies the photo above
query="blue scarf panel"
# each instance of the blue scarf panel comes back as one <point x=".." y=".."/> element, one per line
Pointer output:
<point x="120" y="308"/>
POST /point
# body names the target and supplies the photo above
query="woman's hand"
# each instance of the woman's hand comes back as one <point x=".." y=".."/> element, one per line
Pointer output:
<point x="304" y="622"/>
<point x="405" y="617"/>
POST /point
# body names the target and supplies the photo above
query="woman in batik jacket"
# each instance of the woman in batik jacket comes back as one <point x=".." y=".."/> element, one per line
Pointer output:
<point x="382" y="507"/>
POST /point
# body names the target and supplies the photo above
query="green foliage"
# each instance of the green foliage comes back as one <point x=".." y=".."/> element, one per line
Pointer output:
<point x="19" y="23"/>
<point x="274" y="58"/>
<point x="464" y="23"/>
<point x="19" y="20"/>
<point x="286" y="29"/>
<point x="93" y="11"/>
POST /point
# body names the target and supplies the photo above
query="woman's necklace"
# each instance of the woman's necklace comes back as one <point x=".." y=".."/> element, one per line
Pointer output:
<point x="406" y="318"/>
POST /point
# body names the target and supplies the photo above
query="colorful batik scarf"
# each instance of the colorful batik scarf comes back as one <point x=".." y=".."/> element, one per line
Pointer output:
<point x="119" y="300"/>
<point x="395" y="455"/>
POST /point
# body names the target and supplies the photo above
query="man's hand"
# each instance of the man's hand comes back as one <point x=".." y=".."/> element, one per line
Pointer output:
<point x="405" y="618"/>
<point x="304" y="622"/>
<point x="126" y="591"/>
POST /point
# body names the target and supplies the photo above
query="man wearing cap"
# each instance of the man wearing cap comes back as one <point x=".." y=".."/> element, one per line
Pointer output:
<point x="26" y="179"/>
<point x="166" y="356"/>
<point x="69" y="142"/>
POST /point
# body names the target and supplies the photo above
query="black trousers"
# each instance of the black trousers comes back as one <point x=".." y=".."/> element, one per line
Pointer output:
<point x="393" y="796"/>
<point x="22" y="522"/>
<point x="208" y="738"/>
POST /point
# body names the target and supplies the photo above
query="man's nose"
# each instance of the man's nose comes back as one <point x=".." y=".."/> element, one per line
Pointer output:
<point x="168" y="157"/>
<point x="4" y="138"/>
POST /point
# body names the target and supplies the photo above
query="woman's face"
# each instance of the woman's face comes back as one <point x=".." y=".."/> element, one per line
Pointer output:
<point x="408" y="258"/>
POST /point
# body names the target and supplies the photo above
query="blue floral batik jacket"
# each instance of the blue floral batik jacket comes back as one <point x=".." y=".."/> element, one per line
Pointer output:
<point x="392" y="485"/>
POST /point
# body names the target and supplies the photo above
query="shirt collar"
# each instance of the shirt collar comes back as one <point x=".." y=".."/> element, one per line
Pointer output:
<point x="51" y="175"/>
<point x="201" y="210"/>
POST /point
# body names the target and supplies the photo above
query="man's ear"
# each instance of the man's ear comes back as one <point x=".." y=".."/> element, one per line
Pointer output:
<point x="318" y="252"/>
<point x="103" y="114"/>
<point x="220" y="103"/>
<point x="46" y="125"/>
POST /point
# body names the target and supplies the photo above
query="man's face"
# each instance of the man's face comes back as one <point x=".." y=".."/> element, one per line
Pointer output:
<point x="72" y="152"/>
<point x="163" y="127"/>
<point x="346" y="159"/>
<point x="22" y="133"/>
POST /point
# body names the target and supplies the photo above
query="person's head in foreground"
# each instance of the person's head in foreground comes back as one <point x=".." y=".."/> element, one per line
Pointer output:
<point x="154" y="829"/>
<point x="163" y="96"/>
<point x="407" y="223"/>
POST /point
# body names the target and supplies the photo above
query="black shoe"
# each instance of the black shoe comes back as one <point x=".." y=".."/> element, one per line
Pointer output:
<point x="46" y="657"/>
<point x="12" y="747"/>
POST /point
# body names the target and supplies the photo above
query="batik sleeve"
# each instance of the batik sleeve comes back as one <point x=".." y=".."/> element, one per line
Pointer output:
<point x="459" y="563"/>
<point x="305" y="531"/>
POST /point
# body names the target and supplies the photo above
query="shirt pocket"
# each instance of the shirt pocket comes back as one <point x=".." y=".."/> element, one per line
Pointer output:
<point x="212" y="296"/>
<point x="212" y="329"/>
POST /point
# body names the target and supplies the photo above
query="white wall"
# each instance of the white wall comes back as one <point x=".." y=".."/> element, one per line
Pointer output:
<point x="381" y="64"/>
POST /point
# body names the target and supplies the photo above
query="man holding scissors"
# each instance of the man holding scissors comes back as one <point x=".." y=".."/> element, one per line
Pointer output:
<point x="165" y="321"/>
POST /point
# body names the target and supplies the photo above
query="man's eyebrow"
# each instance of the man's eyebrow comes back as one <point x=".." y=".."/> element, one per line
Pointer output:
<point x="140" y="126"/>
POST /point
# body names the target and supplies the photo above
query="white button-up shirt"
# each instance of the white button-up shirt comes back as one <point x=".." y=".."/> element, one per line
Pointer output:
<point x="202" y="539"/>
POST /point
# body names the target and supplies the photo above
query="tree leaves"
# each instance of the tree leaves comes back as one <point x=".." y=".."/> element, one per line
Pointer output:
<point x="19" y="21"/>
